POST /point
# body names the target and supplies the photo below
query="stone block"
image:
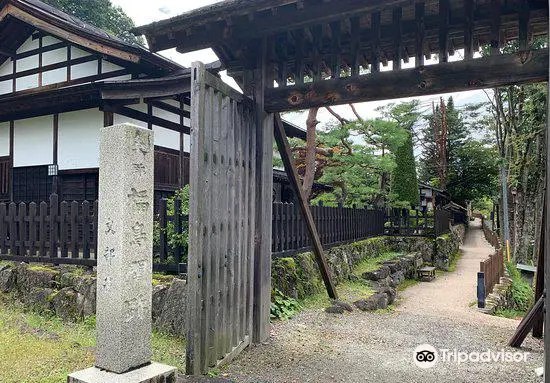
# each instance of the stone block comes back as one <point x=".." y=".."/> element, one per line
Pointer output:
<point x="159" y="297"/>
<point x="125" y="240"/>
<point x="66" y="304"/>
<point x="33" y="276"/>
<point x="335" y="310"/>
<point x="8" y="279"/>
<point x="376" y="275"/>
<point x="345" y="306"/>
<point x="173" y="317"/>
<point x="151" y="373"/>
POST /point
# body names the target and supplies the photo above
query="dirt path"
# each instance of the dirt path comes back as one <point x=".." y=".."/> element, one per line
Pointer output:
<point x="453" y="295"/>
<point x="374" y="347"/>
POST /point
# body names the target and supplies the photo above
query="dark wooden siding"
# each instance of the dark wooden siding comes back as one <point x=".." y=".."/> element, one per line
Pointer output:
<point x="5" y="178"/>
<point x="167" y="169"/>
<point x="31" y="184"/>
<point x="82" y="186"/>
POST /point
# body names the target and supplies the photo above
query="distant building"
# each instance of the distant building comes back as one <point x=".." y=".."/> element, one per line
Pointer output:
<point x="282" y="191"/>
<point x="432" y="197"/>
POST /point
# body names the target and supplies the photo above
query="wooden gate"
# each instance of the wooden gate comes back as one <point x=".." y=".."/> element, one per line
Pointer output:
<point x="221" y="233"/>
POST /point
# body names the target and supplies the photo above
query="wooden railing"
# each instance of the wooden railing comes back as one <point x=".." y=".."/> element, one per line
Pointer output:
<point x="491" y="236"/>
<point x="66" y="233"/>
<point x="492" y="269"/>
<point x="49" y="232"/>
<point x="335" y="226"/>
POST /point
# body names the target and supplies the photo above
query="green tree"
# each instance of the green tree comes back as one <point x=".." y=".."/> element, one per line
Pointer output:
<point x="101" y="14"/>
<point x="404" y="182"/>
<point x="475" y="174"/>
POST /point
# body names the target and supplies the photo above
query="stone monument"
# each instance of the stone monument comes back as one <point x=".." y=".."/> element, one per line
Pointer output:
<point x="124" y="261"/>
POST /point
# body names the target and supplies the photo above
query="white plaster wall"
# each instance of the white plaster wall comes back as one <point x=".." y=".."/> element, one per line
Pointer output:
<point x="28" y="45"/>
<point x="165" y="137"/>
<point x="78" y="139"/>
<point x="27" y="63"/>
<point x="6" y="68"/>
<point x="54" y="76"/>
<point x="118" y="119"/>
<point x="84" y="70"/>
<point x="49" y="40"/>
<point x="27" y="82"/>
<point x="4" y="139"/>
<point x="77" y="53"/>
<point x="33" y="141"/>
<point x="6" y="87"/>
<point x="109" y="67"/>
<point x="53" y="57"/>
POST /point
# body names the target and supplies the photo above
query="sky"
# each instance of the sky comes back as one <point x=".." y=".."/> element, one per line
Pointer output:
<point x="145" y="12"/>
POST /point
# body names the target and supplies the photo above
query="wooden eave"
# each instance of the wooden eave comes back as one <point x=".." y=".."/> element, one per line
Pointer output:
<point x="34" y="102"/>
<point x="229" y="26"/>
<point x="36" y="15"/>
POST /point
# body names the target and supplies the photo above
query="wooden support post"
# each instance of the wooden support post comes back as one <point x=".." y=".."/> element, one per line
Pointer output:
<point x="375" y="59"/>
<point x="444" y="14"/>
<point x="527" y="324"/>
<point x="546" y="296"/>
<point x="469" y="30"/>
<point x="256" y="81"/>
<point x="420" y="31"/>
<point x="290" y="167"/>
<point x="539" y="287"/>
<point x="398" y="38"/>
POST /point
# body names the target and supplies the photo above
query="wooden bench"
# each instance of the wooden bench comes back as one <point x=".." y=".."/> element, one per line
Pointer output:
<point x="426" y="273"/>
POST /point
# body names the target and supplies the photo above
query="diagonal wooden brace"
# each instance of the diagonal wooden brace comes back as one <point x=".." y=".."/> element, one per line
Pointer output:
<point x="290" y="168"/>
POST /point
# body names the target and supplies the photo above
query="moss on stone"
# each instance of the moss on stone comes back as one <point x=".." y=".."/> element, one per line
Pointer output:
<point x="42" y="268"/>
<point x="371" y="264"/>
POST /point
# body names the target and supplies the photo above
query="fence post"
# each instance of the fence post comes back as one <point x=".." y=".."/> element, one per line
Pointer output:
<point x="54" y="206"/>
<point x="162" y="234"/>
<point x="481" y="290"/>
<point x="177" y="227"/>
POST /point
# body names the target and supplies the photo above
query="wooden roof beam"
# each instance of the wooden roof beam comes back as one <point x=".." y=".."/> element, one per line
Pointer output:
<point x="486" y="72"/>
<point x="261" y="26"/>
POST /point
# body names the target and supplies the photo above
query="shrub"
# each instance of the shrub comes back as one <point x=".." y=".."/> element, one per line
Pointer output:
<point x="282" y="306"/>
<point x="174" y="239"/>
<point x="522" y="294"/>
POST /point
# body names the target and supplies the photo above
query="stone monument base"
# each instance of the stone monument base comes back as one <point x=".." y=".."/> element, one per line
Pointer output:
<point x="152" y="373"/>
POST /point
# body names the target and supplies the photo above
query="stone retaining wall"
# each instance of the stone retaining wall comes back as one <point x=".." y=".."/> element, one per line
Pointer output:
<point x="500" y="298"/>
<point x="299" y="276"/>
<point x="70" y="293"/>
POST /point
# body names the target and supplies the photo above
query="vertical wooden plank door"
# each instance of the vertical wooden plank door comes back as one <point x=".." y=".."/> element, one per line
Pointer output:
<point x="221" y="217"/>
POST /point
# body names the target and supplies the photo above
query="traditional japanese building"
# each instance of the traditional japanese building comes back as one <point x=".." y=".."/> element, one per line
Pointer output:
<point x="61" y="80"/>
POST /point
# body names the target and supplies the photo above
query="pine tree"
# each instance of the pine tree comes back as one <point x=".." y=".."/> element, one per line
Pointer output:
<point x="404" y="186"/>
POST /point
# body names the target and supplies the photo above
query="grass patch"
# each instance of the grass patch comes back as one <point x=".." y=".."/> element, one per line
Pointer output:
<point x="407" y="283"/>
<point x="41" y="348"/>
<point x="43" y="268"/>
<point x="161" y="279"/>
<point x="454" y="261"/>
<point x="348" y="292"/>
<point x="510" y="313"/>
<point x="371" y="264"/>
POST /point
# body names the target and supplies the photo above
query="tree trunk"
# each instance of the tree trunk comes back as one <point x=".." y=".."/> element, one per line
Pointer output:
<point x="309" y="175"/>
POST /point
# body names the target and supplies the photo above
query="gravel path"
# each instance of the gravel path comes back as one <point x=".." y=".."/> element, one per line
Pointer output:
<point x="374" y="347"/>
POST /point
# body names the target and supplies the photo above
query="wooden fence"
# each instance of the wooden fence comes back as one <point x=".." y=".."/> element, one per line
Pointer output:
<point x="66" y="233"/>
<point x="170" y="242"/>
<point x="49" y="232"/>
<point x="405" y="222"/>
<point x="492" y="269"/>
<point x="335" y="226"/>
<point x="491" y="236"/>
